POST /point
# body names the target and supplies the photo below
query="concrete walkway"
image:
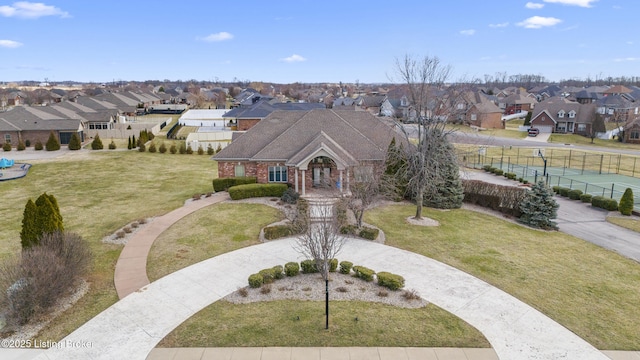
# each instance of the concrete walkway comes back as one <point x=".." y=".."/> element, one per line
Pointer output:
<point x="131" y="268"/>
<point x="132" y="327"/>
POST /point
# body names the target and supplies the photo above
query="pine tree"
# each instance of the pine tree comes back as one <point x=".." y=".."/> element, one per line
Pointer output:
<point x="134" y="144"/>
<point x="210" y="150"/>
<point x="626" y="202"/>
<point x="449" y="192"/>
<point x="539" y="207"/>
<point x="74" y="142"/>
<point x="96" y="144"/>
<point x="527" y="119"/>
<point x="129" y="146"/>
<point x="29" y="234"/>
<point x="52" y="143"/>
<point x="200" y="150"/>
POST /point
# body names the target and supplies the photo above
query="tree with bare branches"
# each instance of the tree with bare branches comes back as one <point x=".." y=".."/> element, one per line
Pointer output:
<point x="321" y="241"/>
<point x="430" y="169"/>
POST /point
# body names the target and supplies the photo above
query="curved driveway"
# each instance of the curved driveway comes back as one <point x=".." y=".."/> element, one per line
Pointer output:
<point x="132" y="327"/>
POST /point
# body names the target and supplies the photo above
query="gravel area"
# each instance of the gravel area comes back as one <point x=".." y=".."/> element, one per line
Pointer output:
<point x="311" y="287"/>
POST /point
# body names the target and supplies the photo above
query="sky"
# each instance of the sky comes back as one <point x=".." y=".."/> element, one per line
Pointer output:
<point x="304" y="41"/>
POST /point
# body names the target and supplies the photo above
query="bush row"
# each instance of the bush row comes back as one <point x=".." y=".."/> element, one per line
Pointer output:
<point x="224" y="184"/>
<point x="365" y="232"/>
<point x="604" y="203"/>
<point x="256" y="190"/>
<point x="596" y="201"/>
<point x="505" y="199"/>
<point x="269" y="275"/>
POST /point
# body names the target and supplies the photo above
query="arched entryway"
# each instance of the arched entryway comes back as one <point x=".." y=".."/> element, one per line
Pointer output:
<point x="324" y="173"/>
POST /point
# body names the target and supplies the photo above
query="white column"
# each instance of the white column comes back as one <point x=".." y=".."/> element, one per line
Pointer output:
<point x="304" y="190"/>
<point x="348" y="189"/>
<point x="341" y="184"/>
<point x="295" y="177"/>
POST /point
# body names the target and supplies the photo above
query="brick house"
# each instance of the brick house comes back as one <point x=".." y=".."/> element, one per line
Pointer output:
<point x="22" y="124"/>
<point x="559" y="115"/>
<point x="306" y="149"/>
<point x="485" y="115"/>
<point x="632" y="132"/>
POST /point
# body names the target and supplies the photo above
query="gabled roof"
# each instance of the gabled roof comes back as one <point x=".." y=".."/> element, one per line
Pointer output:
<point x="552" y="106"/>
<point x="263" y="108"/>
<point x="617" y="89"/>
<point x="291" y="136"/>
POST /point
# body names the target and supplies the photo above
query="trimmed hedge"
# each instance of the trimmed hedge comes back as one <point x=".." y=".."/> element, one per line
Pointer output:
<point x="556" y="189"/>
<point x="488" y="168"/>
<point x="364" y="273"/>
<point x="268" y="275"/>
<point x="291" y="268"/>
<point x="225" y="183"/>
<point x="498" y="171"/>
<point x="505" y="199"/>
<point x="390" y="281"/>
<point x="510" y="176"/>
<point x="345" y="267"/>
<point x="308" y="267"/>
<point x="564" y="191"/>
<point x="333" y="265"/>
<point x="255" y="280"/>
<point x="365" y="233"/>
<point x="604" y="203"/>
<point x="586" y="198"/>
<point x="277" y="231"/>
<point x="256" y="190"/>
<point x="574" y="194"/>
<point x="278" y="271"/>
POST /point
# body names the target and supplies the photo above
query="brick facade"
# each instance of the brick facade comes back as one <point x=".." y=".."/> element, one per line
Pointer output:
<point x="246" y="124"/>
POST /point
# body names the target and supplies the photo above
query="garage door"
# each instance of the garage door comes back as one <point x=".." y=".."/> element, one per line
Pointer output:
<point x="545" y="129"/>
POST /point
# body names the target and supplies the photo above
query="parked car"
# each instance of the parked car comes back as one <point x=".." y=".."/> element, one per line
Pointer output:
<point x="534" y="132"/>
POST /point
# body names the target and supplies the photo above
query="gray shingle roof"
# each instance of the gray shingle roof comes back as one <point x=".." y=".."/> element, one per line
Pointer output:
<point x="283" y="136"/>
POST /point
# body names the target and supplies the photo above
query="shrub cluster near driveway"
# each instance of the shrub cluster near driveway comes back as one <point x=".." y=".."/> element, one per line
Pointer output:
<point x="256" y="190"/>
<point x="223" y="184"/>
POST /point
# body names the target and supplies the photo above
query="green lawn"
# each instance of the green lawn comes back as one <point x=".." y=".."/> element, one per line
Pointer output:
<point x="592" y="291"/>
<point x="631" y="223"/>
<point x="209" y="232"/>
<point x="98" y="193"/>
<point x="223" y="324"/>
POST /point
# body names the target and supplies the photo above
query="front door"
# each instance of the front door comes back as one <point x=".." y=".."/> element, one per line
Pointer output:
<point x="316" y="176"/>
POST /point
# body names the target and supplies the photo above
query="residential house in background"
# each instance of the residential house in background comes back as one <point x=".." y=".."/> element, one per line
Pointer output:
<point x="632" y="131"/>
<point x="560" y="115"/>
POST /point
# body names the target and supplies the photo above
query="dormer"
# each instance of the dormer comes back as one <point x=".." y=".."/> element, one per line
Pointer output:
<point x="572" y="114"/>
<point x="561" y="113"/>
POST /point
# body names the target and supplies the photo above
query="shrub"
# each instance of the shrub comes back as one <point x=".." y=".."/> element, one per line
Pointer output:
<point x="278" y="271"/>
<point x="345" y="267"/>
<point x="265" y="289"/>
<point x="256" y="190"/>
<point x="210" y="150"/>
<point x="626" y="202"/>
<point x="333" y="265"/>
<point x="510" y="176"/>
<point x="290" y="196"/>
<point x="291" y="268"/>
<point x="20" y="146"/>
<point x="74" y="142"/>
<point x="196" y="196"/>
<point x="390" y="281"/>
<point x="162" y="148"/>
<point x="189" y="150"/>
<point x="38" y="145"/>
<point x="564" y="191"/>
<point x="349" y="229"/>
<point x="42" y="274"/>
<point x="410" y="295"/>
<point x="556" y="189"/>
<point x="224" y="184"/>
<point x="611" y="205"/>
<point x="6" y="147"/>
<point x="243" y="292"/>
<point x="277" y="231"/>
<point x="183" y="149"/>
<point x="120" y="234"/>
<point x="112" y="145"/>
<point x="308" y="267"/>
<point x="505" y="199"/>
<point x="586" y="198"/>
<point x="27" y="143"/>
<point x="152" y="148"/>
<point x="52" y="143"/>
<point x="574" y="194"/>
<point x="173" y="149"/>
<point x="383" y="293"/>
<point x="598" y="201"/>
<point x="364" y="273"/>
<point x="142" y="148"/>
<point x="498" y="171"/>
<point x="368" y="233"/>
<point x="539" y="207"/>
<point x="200" y="150"/>
<point x="487" y="168"/>
<point x="96" y="144"/>
<point x="255" y="280"/>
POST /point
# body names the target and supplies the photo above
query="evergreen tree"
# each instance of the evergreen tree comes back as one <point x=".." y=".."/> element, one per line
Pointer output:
<point x="394" y="162"/>
<point x="173" y="149"/>
<point x="74" y="142"/>
<point x="129" y="146"/>
<point x="539" y="207"/>
<point x="112" y="145"/>
<point x="200" y="150"/>
<point x="134" y="144"/>
<point x="210" y="150"/>
<point x="96" y="144"/>
<point x="219" y="148"/>
<point x="189" y="150"/>
<point x="527" y="119"/>
<point x="57" y="217"/>
<point x="52" y="143"/>
<point x="626" y="202"/>
<point x="29" y="234"/>
<point x="162" y="148"/>
<point x="448" y="193"/>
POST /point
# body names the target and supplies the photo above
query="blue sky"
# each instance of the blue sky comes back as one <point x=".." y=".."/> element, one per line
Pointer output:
<point x="314" y="41"/>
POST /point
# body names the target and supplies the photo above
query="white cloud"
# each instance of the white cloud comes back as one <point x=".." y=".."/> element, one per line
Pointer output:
<point x="626" y="59"/>
<point x="581" y="3"/>
<point x="29" y="10"/>
<point x="501" y="25"/>
<point x="294" y="58"/>
<point x="537" y="22"/>
<point x="221" y="36"/>
<point x="532" y="5"/>
<point x="9" y="44"/>
<point x="467" y="32"/>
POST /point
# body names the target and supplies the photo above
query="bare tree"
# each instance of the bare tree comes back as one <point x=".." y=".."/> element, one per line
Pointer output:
<point x="597" y="126"/>
<point x="431" y="169"/>
<point x="321" y="241"/>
